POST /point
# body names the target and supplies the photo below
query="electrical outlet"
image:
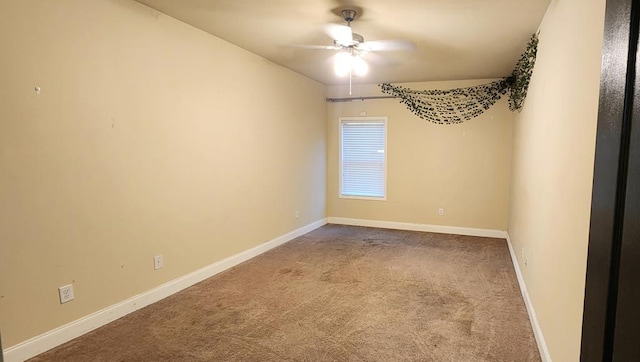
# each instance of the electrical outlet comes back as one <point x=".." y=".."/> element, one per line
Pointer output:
<point x="441" y="211"/>
<point x="157" y="262"/>
<point x="297" y="214"/>
<point x="66" y="293"/>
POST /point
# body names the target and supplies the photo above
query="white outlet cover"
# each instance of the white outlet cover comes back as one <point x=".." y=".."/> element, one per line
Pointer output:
<point x="66" y="293"/>
<point x="157" y="262"/>
<point x="441" y="211"/>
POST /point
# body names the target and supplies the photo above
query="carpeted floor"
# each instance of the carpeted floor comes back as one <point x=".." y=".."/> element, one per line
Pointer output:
<point x="339" y="293"/>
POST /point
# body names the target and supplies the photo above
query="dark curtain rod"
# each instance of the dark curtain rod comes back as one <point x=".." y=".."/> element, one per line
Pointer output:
<point x="351" y="99"/>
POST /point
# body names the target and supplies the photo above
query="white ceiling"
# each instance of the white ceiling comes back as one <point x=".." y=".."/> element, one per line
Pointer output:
<point x="456" y="39"/>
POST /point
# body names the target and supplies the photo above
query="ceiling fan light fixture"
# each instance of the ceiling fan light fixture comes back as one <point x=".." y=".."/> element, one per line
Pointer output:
<point x="359" y="66"/>
<point x="342" y="64"/>
<point x="345" y="63"/>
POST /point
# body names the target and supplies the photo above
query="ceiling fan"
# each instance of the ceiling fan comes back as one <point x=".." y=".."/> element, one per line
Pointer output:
<point x="352" y="47"/>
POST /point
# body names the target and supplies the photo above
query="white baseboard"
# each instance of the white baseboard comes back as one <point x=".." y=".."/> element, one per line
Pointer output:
<point x="67" y="332"/>
<point x="419" y="227"/>
<point x="537" y="331"/>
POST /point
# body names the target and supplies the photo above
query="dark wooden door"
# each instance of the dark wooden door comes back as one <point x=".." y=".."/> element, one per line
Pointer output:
<point x="611" y="322"/>
<point x="626" y="343"/>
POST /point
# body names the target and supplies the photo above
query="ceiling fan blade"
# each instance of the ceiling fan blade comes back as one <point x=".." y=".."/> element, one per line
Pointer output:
<point x="340" y="33"/>
<point x="387" y="45"/>
<point x="321" y="47"/>
<point x="379" y="59"/>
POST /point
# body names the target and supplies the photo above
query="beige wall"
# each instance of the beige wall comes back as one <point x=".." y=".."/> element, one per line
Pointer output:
<point x="554" y="142"/>
<point x="149" y="137"/>
<point x="463" y="168"/>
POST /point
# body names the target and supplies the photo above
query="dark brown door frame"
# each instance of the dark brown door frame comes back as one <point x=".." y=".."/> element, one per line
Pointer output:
<point x="615" y="118"/>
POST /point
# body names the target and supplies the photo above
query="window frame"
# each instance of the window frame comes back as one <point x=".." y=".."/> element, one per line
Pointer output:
<point x="341" y="120"/>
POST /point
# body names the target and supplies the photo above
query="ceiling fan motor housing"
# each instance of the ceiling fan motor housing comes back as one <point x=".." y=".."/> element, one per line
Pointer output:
<point x="357" y="39"/>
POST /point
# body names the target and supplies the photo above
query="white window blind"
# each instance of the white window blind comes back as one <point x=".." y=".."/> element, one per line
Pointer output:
<point x="363" y="158"/>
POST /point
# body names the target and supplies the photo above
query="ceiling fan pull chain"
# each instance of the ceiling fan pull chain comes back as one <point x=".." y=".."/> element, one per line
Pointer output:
<point x="349" y="81"/>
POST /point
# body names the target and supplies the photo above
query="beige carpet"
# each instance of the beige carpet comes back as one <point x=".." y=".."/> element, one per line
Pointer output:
<point x="339" y="293"/>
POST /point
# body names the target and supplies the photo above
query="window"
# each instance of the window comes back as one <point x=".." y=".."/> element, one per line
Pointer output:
<point x="363" y="160"/>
